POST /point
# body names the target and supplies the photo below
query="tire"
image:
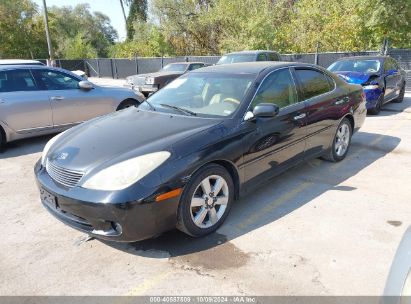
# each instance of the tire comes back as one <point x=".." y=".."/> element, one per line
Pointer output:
<point x="195" y="203"/>
<point x="400" y="97"/>
<point x="343" y="134"/>
<point x="378" y="106"/>
<point x="2" y="140"/>
<point x="127" y="104"/>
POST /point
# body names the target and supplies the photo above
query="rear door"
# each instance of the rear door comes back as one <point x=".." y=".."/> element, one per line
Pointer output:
<point x="69" y="103"/>
<point x="278" y="142"/>
<point x="391" y="77"/>
<point x="323" y="107"/>
<point x="23" y="107"/>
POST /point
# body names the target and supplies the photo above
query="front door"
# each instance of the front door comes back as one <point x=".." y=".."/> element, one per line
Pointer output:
<point x="70" y="104"/>
<point x="276" y="143"/>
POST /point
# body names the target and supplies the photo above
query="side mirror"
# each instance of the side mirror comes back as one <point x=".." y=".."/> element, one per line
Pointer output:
<point x="85" y="85"/>
<point x="391" y="72"/>
<point x="266" y="110"/>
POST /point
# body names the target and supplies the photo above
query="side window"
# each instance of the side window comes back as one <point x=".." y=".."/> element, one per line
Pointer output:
<point x="313" y="83"/>
<point x="261" y="57"/>
<point x="195" y="66"/>
<point x="55" y="80"/>
<point x="388" y="66"/>
<point x="273" y="57"/>
<point x="17" y="80"/>
<point x="277" y="88"/>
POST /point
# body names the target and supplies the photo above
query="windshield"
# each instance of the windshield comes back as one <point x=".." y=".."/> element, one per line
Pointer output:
<point x="233" y="58"/>
<point x="362" y="66"/>
<point x="179" y="67"/>
<point x="204" y="94"/>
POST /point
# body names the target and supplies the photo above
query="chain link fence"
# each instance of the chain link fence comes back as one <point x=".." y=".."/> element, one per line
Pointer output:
<point x="119" y="68"/>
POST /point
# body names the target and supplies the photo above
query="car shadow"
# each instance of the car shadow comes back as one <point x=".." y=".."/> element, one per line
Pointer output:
<point x="25" y="146"/>
<point x="276" y="199"/>
<point x="393" y="108"/>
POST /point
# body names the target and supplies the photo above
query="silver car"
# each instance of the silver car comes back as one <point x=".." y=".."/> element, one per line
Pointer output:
<point x="37" y="100"/>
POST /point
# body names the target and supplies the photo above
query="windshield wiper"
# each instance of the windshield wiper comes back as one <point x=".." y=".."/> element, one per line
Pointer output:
<point x="178" y="109"/>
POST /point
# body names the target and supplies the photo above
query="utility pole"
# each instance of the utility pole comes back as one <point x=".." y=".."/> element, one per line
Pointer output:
<point x="124" y="12"/>
<point x="46" y="23"/>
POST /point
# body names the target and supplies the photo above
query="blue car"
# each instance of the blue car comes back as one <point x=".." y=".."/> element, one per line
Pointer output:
<point x="380" y="76"/>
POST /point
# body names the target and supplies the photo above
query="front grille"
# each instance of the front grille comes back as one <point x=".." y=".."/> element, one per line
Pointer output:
<point x="139" y="80"/>
<point x="66" y="177"/>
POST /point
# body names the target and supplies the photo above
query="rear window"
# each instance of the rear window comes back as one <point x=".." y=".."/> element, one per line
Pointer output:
<point x="16" y="80"/>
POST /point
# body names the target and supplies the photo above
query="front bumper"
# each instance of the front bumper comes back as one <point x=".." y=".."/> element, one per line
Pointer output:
<point x="107" y="215"/>
<point x="372" y="96"/>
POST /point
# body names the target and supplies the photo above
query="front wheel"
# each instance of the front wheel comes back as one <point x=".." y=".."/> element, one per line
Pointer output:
<point x="341" y="142"/>
<point x="2" y="140"/>
<point x="206" y="201"/>
<point x="377" y="109"/>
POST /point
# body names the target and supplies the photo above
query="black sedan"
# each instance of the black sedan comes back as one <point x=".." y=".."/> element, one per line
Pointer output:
<point x="182" y="157"/>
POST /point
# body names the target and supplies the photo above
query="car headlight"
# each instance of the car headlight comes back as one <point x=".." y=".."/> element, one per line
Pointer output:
<point x="371" y="87"/>
<point x="149" y="80"/>
<point x="126" y="173"/>
<point x="48" y="146"/>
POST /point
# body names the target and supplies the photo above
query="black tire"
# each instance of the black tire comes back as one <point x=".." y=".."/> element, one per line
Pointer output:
<point x="185" y="216"/>
<point x="332" y="155"/>
<point x="400" y="97"/>
<point x="2" y="140"/>
<point x="378" y="106"/>
<point x="127" y="104"/>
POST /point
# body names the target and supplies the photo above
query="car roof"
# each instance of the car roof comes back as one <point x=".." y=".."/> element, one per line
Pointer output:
<point x="249" y="67"/>
<point x="19" y="62"/>
<point x="185" y="62"/>
<point x="376" y="57"/>
<point x="251" y="52"/>
<point x="27" y="66"/>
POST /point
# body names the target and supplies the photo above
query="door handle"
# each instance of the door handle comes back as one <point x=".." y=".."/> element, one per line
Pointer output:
<point x="57" y="98"/>
<point x="2" y="101"/>
<point x="342" y="100"/>
<point x="300" y="116"/>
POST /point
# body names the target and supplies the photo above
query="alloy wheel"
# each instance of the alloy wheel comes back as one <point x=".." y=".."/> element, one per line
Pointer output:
<point x="209" y="201"/>
<point x="342" y="139"/>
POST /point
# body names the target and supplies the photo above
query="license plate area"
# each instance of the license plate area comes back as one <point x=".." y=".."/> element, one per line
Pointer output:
<point x="48" y="199"/>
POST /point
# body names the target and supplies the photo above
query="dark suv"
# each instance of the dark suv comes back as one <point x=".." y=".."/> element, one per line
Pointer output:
<point x="249" y="56"/>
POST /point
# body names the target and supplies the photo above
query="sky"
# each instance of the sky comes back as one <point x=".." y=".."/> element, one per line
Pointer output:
<point x="111" y="8"/>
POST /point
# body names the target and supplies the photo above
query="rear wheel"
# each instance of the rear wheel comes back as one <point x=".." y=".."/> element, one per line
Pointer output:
<point x="206" y="201"/>
<point x="341" y="142"/>
<point x="127" y="104"/>
<point x="400" y="97"/>
<point x="377" y="109"/>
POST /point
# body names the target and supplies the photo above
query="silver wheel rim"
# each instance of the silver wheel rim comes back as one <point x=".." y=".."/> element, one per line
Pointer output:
<point x="209" y="201"/>
<point x="342" y="139"/>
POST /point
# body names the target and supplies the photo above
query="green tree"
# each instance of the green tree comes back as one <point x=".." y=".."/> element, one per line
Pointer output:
<point x="137" y="13"/>
<point x="21" y="31"/>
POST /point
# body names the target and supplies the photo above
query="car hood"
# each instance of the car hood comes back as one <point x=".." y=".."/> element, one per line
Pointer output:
<point x="123" y="135"/>
<point x="355" y="77"/>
